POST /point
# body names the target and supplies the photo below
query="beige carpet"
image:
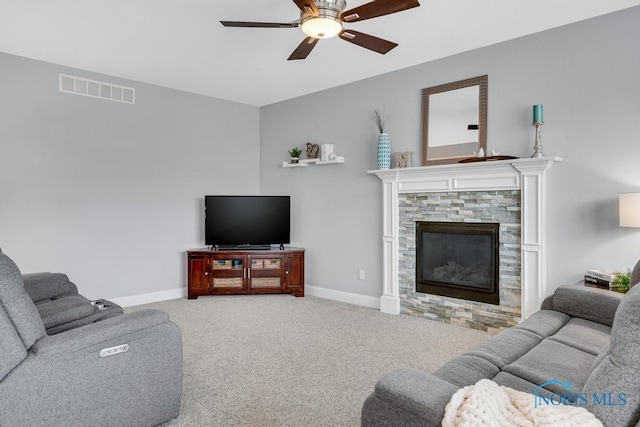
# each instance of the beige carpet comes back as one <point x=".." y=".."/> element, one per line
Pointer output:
<point x="277" y="360"/>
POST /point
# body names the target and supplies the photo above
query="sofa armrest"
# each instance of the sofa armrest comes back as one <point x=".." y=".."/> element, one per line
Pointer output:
<point x="105" y="331"/>
<point x="66" y="381"/>
<point x="597" y="305"/>
<point x="547" y="303"/>
<point x="420" y="396"/>
<point x="45" y="286"/>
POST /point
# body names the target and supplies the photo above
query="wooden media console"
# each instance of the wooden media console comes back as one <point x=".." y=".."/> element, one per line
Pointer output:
<point x="239" y="272"/>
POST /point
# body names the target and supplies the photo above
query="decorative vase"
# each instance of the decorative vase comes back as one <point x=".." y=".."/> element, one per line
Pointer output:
<point x="384" y="151"/>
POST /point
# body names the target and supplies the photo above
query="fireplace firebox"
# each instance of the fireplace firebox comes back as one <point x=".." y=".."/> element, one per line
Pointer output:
<point x="458" y="260"/>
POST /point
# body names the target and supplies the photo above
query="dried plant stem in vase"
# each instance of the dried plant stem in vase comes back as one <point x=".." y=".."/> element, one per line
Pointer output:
<point x="384" y="145"/>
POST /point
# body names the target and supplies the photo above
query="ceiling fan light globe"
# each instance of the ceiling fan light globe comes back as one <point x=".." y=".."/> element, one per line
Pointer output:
<point x="321" y="28"/>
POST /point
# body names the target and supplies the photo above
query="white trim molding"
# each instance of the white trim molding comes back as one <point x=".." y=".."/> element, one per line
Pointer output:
<point x="150" y="297"/>
<point x="526" y="175"/>
<point x="348" y="297"/>
<point x="317" y="291"/>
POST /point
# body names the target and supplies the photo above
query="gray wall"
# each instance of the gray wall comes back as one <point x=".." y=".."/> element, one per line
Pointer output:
<point x="111" y="193"/>
<point x="587" y="75"/>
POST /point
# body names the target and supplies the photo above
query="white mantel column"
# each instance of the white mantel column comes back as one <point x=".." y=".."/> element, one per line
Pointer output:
<point x="390" y="299"/>
<point x="534" y="218"/>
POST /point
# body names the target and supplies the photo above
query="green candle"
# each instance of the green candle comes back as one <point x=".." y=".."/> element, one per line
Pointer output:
<point x="537" y="113"/>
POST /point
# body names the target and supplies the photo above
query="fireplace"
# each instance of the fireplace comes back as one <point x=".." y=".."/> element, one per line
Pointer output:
<point x="458" y="260"/>
<point x="509" y="192"/>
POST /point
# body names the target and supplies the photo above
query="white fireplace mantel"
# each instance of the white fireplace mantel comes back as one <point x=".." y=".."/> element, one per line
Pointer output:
<point x="526" y="175"/>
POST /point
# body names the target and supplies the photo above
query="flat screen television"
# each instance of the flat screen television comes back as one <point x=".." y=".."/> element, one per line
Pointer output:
<point x="247" y="221"/>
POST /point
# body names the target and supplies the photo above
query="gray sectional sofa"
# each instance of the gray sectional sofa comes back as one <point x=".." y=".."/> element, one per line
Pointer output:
<point x="67" y="362"/>
<point x="583" y="347"/>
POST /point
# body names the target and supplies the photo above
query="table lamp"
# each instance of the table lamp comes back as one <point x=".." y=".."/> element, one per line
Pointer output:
<point x="630" y="217"/>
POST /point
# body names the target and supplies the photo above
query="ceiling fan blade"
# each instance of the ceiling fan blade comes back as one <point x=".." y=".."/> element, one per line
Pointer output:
<point x="377" y="8"/>
<point x="308" y="7"/>
<point x="259" y="24"/>
<point x="369" y="42"/>
<point x="304" y="49"/>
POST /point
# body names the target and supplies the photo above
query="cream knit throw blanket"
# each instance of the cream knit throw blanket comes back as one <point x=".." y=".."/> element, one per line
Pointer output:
<point x="486" y="404"/>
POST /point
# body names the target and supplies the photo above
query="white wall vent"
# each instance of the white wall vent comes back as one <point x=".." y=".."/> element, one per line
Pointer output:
<point x="96" y="89"/>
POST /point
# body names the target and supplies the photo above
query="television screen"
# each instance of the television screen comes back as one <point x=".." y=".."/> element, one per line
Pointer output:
<point x="247" y="220"/>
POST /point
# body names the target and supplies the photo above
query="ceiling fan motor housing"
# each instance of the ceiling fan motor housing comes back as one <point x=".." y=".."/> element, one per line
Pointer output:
<point x="327" y="23"/>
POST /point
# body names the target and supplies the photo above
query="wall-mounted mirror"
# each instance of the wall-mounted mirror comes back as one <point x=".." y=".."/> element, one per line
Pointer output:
<point x="454" y="121"/>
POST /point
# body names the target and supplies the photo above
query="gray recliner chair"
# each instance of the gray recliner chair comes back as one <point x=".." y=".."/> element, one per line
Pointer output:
<point x="115" y="371"/>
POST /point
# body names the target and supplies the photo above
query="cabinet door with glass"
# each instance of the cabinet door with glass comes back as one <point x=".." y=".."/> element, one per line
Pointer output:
<point x="265" y="273"/>
<point x="228" y="273"/>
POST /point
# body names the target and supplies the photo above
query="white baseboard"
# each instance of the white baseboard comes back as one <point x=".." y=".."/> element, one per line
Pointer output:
<point x="317" y="291"/>
<point x="150" y="297"/>
<point x="348" y="297"/>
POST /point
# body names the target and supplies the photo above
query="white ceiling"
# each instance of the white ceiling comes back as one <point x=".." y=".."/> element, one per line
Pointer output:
<point x="181" y="44"/>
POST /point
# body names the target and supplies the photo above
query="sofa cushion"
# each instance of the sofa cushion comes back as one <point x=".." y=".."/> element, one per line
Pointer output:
<point x="506" y="347"/>
<point x="584" y="335"/>
<point x="18" y="305"/>
<point x="544" y="322"/>
<point x="600" y="357"/>
<point x="619" y="370"/>
<point x="466" y="370"/>
<point x="13" y="351"/>
<point x="64" y="310"/>
<point x="508" y="380"/>
<point x="551" y="360"/>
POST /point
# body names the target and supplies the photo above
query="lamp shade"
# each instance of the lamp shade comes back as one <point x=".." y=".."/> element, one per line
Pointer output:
<point x="630" y="210"/>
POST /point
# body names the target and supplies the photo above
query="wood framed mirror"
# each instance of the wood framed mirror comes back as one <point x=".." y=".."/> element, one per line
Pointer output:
<point x="454" y="121"/>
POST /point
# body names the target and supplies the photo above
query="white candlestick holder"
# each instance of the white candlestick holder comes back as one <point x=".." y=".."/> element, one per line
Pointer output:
<point x="537" y="148"/>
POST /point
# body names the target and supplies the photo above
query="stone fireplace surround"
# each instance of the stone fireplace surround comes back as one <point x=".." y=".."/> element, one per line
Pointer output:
<point x="501" y="207"/>
<point x="526" y="175"/>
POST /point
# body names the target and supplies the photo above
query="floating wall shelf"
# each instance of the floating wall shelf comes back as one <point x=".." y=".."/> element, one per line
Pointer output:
<point x="307" y="162"/>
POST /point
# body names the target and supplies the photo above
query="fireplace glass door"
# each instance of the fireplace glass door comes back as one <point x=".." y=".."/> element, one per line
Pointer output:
<point x="458" y="260"/>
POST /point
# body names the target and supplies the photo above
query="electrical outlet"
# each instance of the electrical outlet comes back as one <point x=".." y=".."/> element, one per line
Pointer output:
<point x="361" y="274"/>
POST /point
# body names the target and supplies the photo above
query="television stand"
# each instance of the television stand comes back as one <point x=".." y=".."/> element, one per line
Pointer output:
<point x="245" y="271"/>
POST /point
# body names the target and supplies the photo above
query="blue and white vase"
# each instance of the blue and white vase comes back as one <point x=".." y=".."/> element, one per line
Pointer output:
<point x="384" y="151"/>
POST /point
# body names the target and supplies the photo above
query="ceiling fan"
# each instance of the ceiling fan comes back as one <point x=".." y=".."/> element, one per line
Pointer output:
<point x="323" y="19"/>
